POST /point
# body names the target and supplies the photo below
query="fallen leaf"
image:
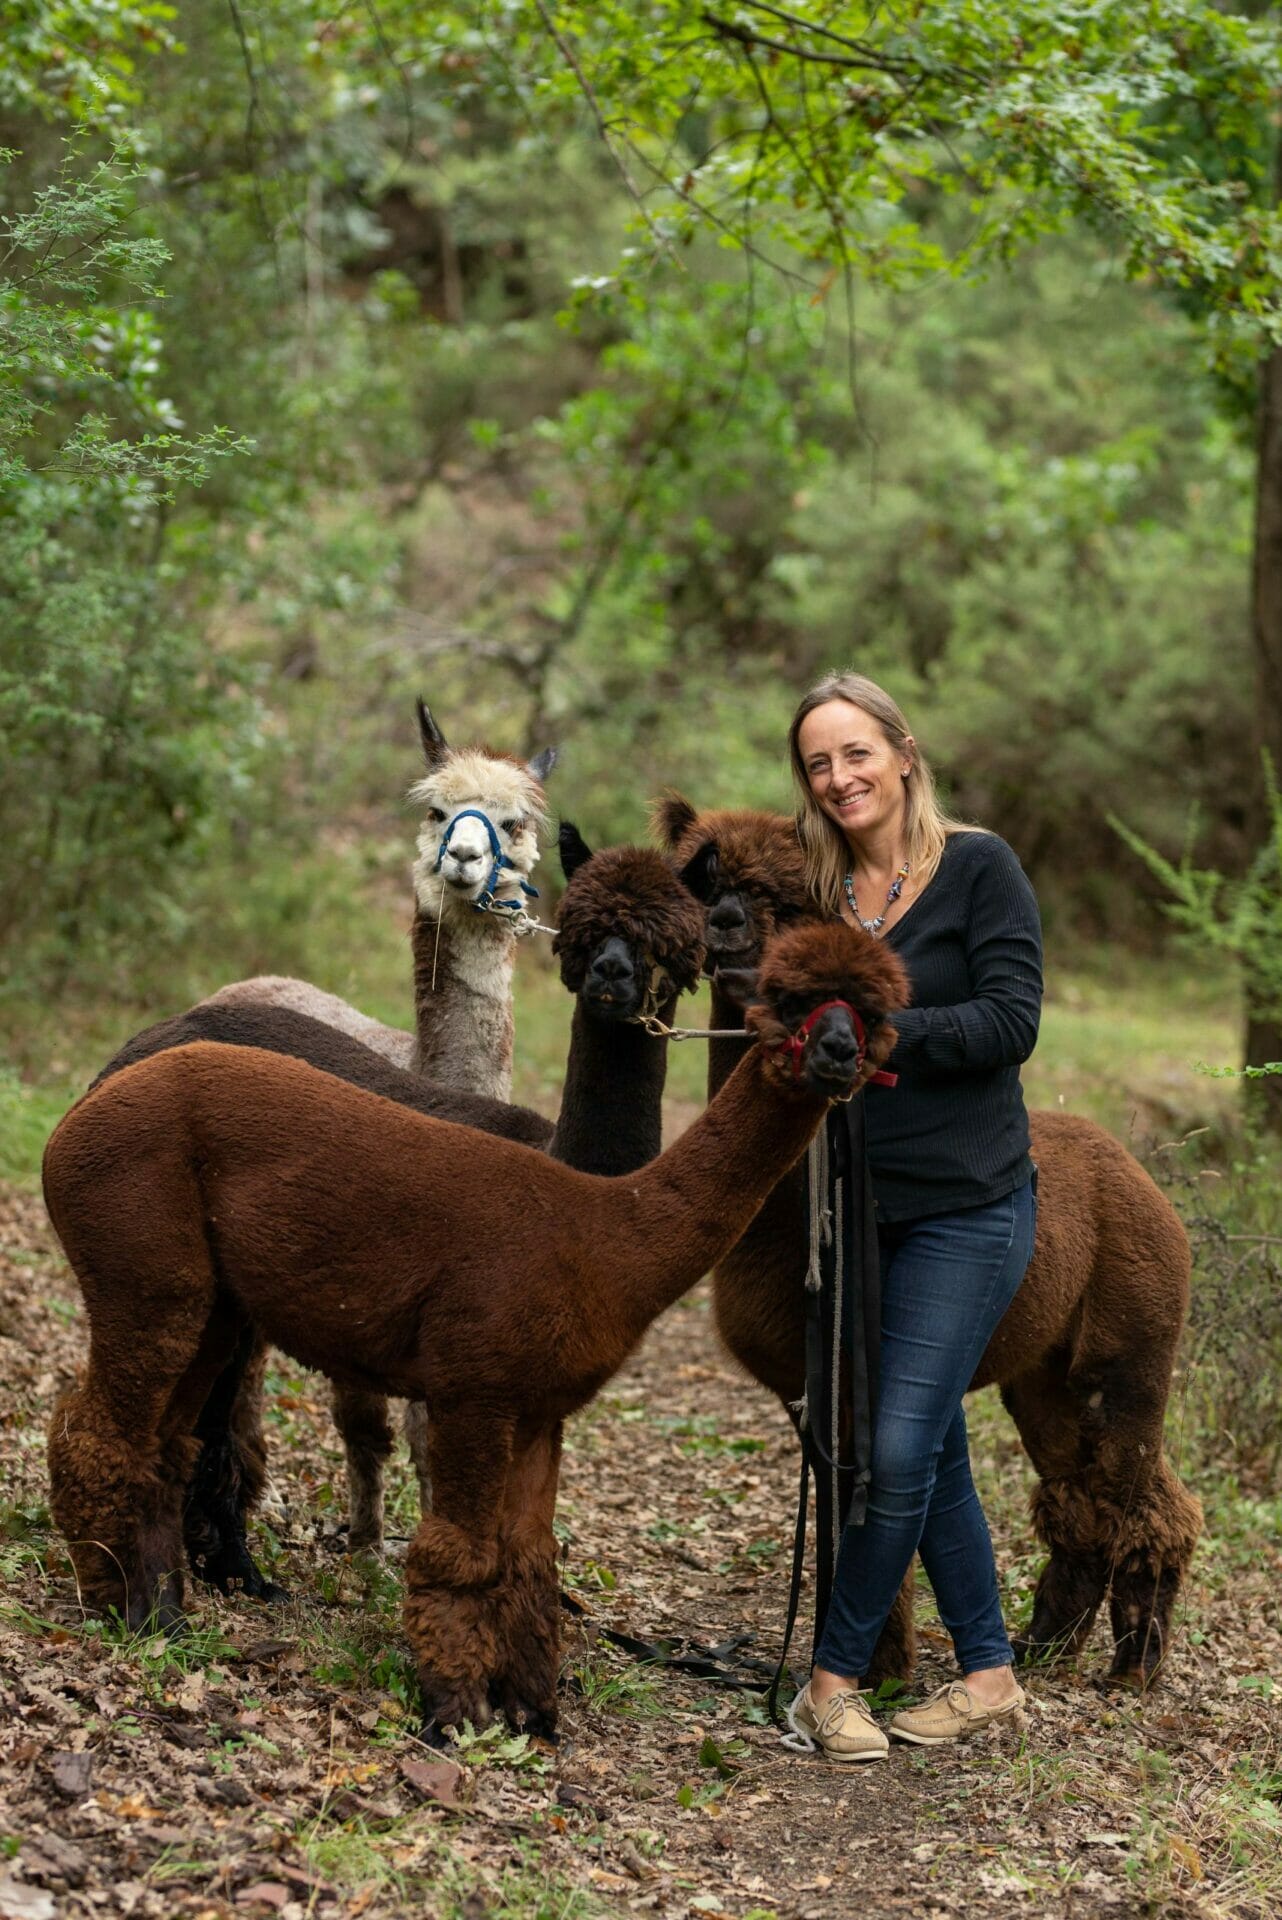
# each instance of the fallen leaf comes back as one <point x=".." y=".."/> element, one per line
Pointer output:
<point x="264" y="1650"/>
<point x="267" y="1893"/>
<point x="72" y="1773"/>
<point x="20" y="1902"/>
<point x="435" y="1779"/>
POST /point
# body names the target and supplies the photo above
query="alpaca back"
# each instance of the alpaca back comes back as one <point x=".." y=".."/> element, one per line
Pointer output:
<point x="278" y="1029"/>
<point x="300" y="996"/>
<point x="1111" y="1262"/>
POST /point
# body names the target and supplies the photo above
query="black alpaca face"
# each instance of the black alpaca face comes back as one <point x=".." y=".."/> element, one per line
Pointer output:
<point x="628" y="930"/>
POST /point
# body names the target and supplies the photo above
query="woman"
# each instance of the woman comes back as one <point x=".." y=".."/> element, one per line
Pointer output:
<point x="954" y="1188"/>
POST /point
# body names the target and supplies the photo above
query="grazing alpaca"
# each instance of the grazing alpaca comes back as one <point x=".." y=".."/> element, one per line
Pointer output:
<point x="209" y="1188"/>
<point x="1084" y="1354"/>
<point x="477" y="847"/>
<point x="231" y="1469"/>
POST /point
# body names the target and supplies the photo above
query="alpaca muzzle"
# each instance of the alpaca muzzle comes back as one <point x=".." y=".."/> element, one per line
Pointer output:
<point x="793" y="1049"/>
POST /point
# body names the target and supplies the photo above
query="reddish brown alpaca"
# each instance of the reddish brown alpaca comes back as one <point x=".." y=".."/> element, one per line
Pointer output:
<point x="209" y="1188"/>
<point x="1084" y="1354"/>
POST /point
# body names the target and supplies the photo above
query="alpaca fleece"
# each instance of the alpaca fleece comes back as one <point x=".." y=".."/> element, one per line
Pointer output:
<point x="1084" y="1355"/>
<point x="280" y="1030"/>
<point x="300" y="996"/>
<point x="208" y="1188"/>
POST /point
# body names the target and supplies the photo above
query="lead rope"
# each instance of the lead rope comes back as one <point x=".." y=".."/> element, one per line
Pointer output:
<point x="834" y="1382"/>
<point x="821" y="1226"/>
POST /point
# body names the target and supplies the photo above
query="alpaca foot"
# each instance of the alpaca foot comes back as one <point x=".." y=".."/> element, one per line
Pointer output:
<point x="1137" y="1661"/>
<point x="524" y="1715"/>
<point x="160" y="1611"/>
<point x="231" y="1568"/>
<point x="449" y="1703"/>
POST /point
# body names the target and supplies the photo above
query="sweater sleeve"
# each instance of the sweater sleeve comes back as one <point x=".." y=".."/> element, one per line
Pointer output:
<point x="997" y="1026"/>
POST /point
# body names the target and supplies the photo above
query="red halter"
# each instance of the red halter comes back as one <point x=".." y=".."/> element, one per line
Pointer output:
<point x="794" y="1047"/>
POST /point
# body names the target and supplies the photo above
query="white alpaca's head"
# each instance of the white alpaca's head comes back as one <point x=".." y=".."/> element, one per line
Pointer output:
<point x="465" y="793"/>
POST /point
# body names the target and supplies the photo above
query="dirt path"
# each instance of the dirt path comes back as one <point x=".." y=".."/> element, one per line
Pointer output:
<point x="266" y="1767"/>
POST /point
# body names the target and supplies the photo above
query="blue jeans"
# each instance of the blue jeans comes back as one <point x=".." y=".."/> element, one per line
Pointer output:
<point x="946" y="1282"/>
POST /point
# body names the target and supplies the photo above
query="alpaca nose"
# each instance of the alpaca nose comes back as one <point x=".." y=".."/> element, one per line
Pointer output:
<point x="611" y="968"/>
<point x="728" y="917"/>
<point x="835" y="1049"/>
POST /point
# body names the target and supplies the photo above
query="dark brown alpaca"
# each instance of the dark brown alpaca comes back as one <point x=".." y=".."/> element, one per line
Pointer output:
<point x="231" y="1467"/>
<point x="211" y="1188"/>
<point x="624" y="921"/>
<point x="477" y="846"/>
<point x="1085" y="1352"/>
<point x="627" y="926"/>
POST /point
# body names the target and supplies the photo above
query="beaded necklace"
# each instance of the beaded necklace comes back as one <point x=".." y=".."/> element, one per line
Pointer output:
<point x="896" y="888"/>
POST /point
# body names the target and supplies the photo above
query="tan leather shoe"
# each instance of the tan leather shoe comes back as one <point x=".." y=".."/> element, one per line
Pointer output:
<point x="953" y="1713"/>
<point x="840" y="1727"/>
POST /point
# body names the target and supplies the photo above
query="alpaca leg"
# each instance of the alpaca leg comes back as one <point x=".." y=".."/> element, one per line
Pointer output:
<point x="417" y="1438"/>
<point x="110" y="1501"/>
<point x="231" y="1471"/>
<point x="121" y="1453"/>
<point x="1072" y="1584"/>
<point x="528" y="1601"/>
<point x="1111" y="1509"/>
<point x="452" y="1566"/>
<point x="895" y="1653"/>
<point x="1152" y="1538"/>
<point x="361" y="1419"/>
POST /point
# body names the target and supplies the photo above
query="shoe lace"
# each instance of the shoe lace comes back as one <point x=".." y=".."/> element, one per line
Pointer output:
<point x="839" y="1705"/>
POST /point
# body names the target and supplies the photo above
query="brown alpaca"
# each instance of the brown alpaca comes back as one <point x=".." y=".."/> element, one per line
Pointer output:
<point x="481" y="813"/>
<point x="627" y="927"/>
<point x="1084" y="1354"/>
<point x="211" y="1188"/>
<point x="231" y="1468"/>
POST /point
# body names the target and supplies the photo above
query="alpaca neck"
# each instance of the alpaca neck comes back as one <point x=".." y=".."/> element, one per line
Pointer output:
<point x="723" y="1055"/>
<point x="463" y="1001"/>
<point x="611" y="1118"/>
<point x="683" y="1212"/>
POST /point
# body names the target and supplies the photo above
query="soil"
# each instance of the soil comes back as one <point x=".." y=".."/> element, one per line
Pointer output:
<point x="272" y="1767"/>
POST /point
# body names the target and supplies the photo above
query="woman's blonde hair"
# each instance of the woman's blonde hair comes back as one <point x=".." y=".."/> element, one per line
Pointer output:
<point x="823" y="844"/>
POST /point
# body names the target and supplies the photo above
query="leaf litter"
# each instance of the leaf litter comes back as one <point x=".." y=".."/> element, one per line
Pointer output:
<point x="270" y="1764"/>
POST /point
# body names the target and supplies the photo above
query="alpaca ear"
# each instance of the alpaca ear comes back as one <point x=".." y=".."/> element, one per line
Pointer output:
<point x="543" y="763"/>
<point x="701" y="872"/>
<point x="670" y="817"/>
<point x="434" y="747"/>
<point x="573" y="848"/>
<point x="738" y="984"/>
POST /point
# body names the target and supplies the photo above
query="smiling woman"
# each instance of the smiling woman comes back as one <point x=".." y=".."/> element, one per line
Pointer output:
<point x="954" y="1188"/>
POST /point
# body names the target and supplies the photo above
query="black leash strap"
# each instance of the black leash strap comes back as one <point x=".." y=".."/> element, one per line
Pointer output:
<point x="849" y="1299"/>
<point x="794" y="1590"/>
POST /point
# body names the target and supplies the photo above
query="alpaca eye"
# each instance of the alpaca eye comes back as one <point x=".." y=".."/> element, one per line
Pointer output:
<point x="510" y="826"/>
<point x="435" y="813"/>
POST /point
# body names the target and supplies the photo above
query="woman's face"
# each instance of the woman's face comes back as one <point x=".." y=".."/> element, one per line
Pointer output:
<point x="855" y="775"/>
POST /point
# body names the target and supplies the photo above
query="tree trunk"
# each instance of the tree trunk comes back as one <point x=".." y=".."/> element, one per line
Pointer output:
<point x="1264" y="1032"/>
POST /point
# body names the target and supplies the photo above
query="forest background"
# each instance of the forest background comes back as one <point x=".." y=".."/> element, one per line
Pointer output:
<point x="604" y="374"/>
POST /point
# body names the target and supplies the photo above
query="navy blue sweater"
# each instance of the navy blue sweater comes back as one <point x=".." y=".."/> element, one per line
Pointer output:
<point x="954" y="1132"/>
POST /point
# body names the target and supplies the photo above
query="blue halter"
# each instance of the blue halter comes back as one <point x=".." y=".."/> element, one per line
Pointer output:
<point x="485" y="901"/>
